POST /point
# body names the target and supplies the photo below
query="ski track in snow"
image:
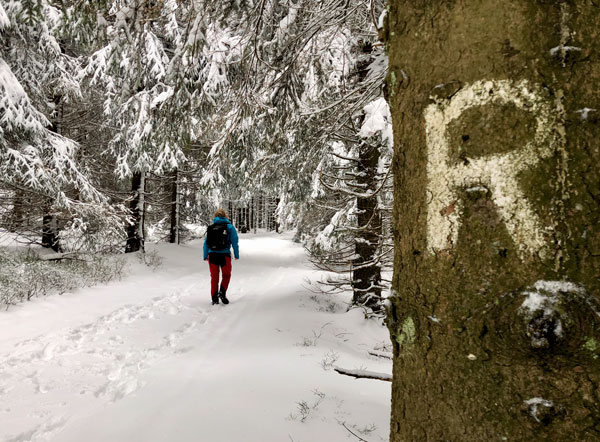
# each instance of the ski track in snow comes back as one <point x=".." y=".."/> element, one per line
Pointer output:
<point x="106" y="354"/>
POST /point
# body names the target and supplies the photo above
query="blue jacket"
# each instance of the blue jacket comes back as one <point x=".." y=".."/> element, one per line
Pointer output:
<point x="233" y="239"/>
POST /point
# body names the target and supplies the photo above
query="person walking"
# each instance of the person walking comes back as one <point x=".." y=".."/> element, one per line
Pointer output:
<point x="220" y="237"/>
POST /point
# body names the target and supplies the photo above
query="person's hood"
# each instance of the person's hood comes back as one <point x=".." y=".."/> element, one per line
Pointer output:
<point x="221" y="220"/>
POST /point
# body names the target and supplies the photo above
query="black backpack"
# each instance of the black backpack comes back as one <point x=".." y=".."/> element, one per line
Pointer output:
<point x="217" y="236"/>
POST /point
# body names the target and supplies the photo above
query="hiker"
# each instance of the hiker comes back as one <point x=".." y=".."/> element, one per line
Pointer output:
<point x="220" y="236"/>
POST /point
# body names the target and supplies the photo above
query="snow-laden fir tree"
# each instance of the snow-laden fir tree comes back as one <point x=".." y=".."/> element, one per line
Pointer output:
<point x="39" y="167"/>
<point x="132" y="69"/>
<point x="315" y="69"/>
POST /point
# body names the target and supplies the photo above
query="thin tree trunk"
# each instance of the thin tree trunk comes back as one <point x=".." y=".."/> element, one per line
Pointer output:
<point x="263" y="213"/>
<point x="495" y="318"/>
<point x="253" y="214"/>
<point x="135" y="230"/>
<point x="174" y="232"/>
<point x="50" y="230"/>
<point x="275" y="215"/>
<point x="16" y="215"/>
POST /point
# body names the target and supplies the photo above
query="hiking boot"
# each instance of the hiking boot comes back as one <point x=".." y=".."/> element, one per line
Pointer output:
<point x="215" y="299"/>
<point x="221" y="294"/>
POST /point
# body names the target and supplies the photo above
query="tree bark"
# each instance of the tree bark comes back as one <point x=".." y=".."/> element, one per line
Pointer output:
<point x="135" y="229"/>
<point x="495" y="314"/>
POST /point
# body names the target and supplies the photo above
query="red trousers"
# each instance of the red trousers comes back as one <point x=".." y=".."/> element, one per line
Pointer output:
<point x="214" y="275"/>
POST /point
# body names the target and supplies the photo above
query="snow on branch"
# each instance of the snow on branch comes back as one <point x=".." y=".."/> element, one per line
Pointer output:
<point x="18" y="114"/>
<point x="4" y="20"/>
<point x="364" y="374"/>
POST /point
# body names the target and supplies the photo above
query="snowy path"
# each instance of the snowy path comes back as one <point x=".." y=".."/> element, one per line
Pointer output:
<point x="149" y="359"/>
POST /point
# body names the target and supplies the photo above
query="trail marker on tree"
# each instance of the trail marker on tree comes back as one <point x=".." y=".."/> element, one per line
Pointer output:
<point x="497" y="173"/>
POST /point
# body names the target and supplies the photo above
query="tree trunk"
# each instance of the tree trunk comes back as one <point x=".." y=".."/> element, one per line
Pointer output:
<point x="174" y="233"/>
<point x="253" y="214"/>
<point x="366" y="276"/>
<point x="274" y="214"/>
<point x="135" y="230"/>
<point x="495" y="315"/>
<point x="50" y="230"/>
<point x="366" y="273"/>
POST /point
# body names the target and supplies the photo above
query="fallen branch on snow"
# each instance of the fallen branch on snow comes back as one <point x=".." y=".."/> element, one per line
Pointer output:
<point x="365" y="374"/>
<point x="353" y="433"/>
<point x="60" y="256"/>
<point x="381" y="354"/>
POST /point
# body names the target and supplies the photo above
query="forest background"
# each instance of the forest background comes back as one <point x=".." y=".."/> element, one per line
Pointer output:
<point x="128" y="121"/>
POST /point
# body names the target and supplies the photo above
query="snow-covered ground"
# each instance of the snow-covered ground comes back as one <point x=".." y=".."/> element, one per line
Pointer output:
<point x="149" y="359"/>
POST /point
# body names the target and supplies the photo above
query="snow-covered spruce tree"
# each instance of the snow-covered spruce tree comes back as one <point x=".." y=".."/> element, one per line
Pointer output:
<point x="320" y="64"/>
<point x="220" y="89"/>
<point x="167" y="70"/>
<point x="241" y="123"/>
<point x="222" y="109"/>
<point x="164" y="110"/>
<point x="495" y="317"/>
<point x="39" y="166"/>
<point x="352" y="185"/>
<point x="133" y="68"/>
